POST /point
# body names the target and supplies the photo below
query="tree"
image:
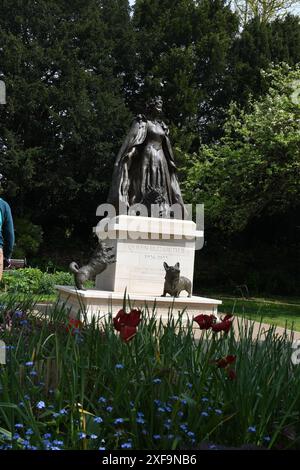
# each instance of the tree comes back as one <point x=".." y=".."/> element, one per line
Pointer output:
<point x="249" y="183"/>
<point x="76" y="72"/>
<point x="184" y="48"/>
<point x="116" y="15"/>
<point x="255" y="170"/>
<point x="256" y="48"/>
<point x="265" y="10"/>
<point x="65" y="114"/>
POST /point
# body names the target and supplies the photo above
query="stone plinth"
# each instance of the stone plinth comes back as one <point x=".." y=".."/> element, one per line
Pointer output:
<point x="100" y="303"/>
<point x="141" y="245"/>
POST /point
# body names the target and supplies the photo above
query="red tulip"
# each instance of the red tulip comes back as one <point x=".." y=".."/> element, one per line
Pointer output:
<point x="231" y="374"/>
<point x="230" y="359"/>
<point x="74" y="324"/>
<point x="134" y="318"/>
<point x="225" y="361"/>
<point x="223" y="325"/>
<point x="119" y="320"/>
<point x="122" y="319"/>
<point x="221" y="363"/>
<point x="228" y="316"/>
<point x="127" y="333"/>
<point x="126" y="323"/>
<point x="205" y="321"/>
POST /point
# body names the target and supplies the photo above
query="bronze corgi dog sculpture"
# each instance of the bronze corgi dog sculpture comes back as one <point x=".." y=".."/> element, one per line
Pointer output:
<point x="99" y="261"/>
<point x="174" y="283"/>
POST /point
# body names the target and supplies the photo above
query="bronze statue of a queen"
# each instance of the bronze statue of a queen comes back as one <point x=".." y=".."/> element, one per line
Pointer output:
<point x="144" y="170"/>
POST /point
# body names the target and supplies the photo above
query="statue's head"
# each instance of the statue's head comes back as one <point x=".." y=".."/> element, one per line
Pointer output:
<point x="155" y="105"/>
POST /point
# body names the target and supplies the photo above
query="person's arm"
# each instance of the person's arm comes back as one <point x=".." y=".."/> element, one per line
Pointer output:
<point x="8" y="233"/>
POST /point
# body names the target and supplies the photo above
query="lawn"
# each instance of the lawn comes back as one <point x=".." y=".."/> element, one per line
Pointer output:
<point x="281" y="312"/>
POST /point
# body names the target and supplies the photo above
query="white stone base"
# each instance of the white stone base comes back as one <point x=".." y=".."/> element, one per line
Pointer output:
<point x="97" y="303"/>
<point x="141" y="245"/>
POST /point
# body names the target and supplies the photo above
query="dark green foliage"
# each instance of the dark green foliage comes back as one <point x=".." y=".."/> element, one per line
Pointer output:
<point x="259" y="45"/>
<point x="34" y="281"/>
<point x="29" y="238"/>
<point x="184" y="47"/>
<point x="250" y="187"/>
<point x="65" y="114"/>
<point x="76" y="73"/>
<point x="255" y="171"/>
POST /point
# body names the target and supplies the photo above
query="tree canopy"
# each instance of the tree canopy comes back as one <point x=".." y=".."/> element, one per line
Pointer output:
<point x="77" y="72"/>
<point x="254" y="170"/>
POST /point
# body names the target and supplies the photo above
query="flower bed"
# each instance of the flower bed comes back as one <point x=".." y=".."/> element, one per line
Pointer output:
<point x="135" y="382"/>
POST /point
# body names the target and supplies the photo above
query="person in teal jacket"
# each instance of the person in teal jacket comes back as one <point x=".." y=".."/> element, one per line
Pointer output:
<point x="7" y="235"/>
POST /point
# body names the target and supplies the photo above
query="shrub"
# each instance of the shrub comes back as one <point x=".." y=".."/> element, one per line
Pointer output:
<point x="34" y="281"/>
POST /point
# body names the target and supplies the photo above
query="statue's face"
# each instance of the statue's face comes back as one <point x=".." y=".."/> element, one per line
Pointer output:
<point x="156" y="105"/>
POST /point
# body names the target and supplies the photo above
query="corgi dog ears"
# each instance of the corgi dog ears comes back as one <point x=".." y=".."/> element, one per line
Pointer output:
<point x="167" y="267"/>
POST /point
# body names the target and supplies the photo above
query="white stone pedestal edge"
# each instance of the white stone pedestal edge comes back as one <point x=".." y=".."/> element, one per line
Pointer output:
<point x="95" y="303"/>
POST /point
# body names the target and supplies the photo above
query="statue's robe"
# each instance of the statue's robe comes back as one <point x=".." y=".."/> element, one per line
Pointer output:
<point x="121" y="180"/>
